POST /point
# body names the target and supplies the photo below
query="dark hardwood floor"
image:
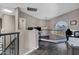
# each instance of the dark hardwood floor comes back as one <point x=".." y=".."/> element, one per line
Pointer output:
<point x="51" y="49"/>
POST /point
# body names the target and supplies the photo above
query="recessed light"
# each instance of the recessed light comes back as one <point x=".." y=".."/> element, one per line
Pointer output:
<point x="7" y="10"/>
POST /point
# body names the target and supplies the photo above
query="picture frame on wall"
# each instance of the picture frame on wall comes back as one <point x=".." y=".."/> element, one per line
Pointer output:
<point x="73" y="22"/>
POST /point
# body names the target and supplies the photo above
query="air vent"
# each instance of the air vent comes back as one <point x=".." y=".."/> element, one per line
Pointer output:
<point x="31" y="9"/>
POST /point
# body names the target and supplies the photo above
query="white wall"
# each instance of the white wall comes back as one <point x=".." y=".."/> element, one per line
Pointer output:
<point x="28" y="39"/>
<point x="8" y="24"/>
<point x="32" y="21"/>
<point x="0" y="25"/>
<point x="33" y="39"/>
<point x="73" y="15"/>
<point x="67" y="17"/>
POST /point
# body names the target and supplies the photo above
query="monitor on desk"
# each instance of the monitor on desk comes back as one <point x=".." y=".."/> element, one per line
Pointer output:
<point x="76" y="33"/>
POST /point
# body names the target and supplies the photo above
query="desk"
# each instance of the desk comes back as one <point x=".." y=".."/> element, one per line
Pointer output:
<point x="73" y="45"/>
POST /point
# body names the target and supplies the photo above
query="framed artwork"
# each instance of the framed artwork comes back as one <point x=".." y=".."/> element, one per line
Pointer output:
<point x="73" y="22"/>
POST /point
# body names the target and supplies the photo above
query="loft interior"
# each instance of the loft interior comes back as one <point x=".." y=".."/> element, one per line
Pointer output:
<point x="39" y="28"/>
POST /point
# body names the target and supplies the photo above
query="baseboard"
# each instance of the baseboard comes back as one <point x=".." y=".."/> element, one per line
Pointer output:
<point x="29" y="51"/>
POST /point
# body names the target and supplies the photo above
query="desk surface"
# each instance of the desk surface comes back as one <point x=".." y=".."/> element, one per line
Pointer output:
<point x="54" y="41"/>
<point x="73" y="41"/>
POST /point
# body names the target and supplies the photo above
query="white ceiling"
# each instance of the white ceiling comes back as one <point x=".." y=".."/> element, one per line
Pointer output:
<point x="44" y="10"/>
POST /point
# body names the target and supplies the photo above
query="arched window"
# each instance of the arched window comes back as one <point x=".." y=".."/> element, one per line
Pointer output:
<point x="61" y="25"/>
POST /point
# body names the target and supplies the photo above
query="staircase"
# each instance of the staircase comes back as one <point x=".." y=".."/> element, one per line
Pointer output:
<point x="9" y="43"/>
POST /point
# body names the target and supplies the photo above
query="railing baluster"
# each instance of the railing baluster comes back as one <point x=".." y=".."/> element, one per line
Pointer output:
<point x="13" y="46"/>
<point x="18" y="44"/>
<point x="10" y="42"/>
<point x="4" y="44"/>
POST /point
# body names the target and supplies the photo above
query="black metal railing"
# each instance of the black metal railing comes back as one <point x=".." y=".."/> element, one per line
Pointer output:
<point x="10" y="43"/>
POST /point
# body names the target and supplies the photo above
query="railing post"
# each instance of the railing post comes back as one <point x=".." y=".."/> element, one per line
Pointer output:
<point x="17" y="43"/>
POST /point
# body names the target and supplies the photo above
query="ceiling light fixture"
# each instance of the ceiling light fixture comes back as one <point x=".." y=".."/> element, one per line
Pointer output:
<point x="31" y="9"/>
<point x="6" y="10"/>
